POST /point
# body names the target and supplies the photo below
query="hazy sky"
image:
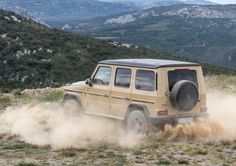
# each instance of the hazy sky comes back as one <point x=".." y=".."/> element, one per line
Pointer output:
<point x="225" y="1"/>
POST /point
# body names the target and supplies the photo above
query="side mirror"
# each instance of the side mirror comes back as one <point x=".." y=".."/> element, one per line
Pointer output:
<point x="89" y="82"/>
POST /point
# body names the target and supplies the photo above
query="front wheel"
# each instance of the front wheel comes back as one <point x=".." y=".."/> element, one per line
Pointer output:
<point x="137" y="123"/>
<point x="71" y="105"/>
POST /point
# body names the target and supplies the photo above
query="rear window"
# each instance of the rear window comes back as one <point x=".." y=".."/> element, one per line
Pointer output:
<point x="178" y="75"/>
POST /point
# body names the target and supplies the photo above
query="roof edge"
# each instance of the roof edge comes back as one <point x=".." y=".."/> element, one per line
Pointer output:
<point x="142" y="64"/>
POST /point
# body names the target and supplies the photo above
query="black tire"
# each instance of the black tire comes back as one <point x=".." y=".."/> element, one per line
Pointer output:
<point x="71" y="105"/>
<point x="184" y="95"/>
<point x="137" y="123"/>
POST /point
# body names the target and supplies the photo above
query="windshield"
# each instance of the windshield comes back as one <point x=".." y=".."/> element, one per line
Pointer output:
<point x="183" y="74"/>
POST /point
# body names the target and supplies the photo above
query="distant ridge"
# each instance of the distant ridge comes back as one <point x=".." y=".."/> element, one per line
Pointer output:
<point x="202" y="32"/>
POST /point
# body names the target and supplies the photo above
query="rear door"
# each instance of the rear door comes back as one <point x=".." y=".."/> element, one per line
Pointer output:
<point x="176" y="74"/>
<point x="121" y="91"/>
<point x="145" y="88"/>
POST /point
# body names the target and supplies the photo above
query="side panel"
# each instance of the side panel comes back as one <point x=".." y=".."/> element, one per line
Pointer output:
<point x="152" y="99"/>
<point x="161" y="95"/>
<point x="98" y="97"/>
<point x="120" y="96"/>
<point x="202" y="87"/>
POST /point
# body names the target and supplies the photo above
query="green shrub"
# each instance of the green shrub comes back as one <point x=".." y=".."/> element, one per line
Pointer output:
<point x="53" y="96"/>
<point x="16" y="92"/>
<point x="164" y="162"/>
<point x="27" y="164"/>
<point x="183" y="161"/>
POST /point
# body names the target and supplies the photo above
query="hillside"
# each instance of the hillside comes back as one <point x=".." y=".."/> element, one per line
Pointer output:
<point x="204" y="33"/>
<point x="33" y="55"/>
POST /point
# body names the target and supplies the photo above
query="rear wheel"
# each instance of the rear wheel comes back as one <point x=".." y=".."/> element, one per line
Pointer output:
<point x="137" y="123"/>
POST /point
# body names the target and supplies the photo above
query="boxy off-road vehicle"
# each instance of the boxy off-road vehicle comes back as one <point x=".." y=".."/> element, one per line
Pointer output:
<point x="142" y="92"/>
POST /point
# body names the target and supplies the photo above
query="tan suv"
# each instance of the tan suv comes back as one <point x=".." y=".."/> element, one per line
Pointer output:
<point x="142" y="92"/>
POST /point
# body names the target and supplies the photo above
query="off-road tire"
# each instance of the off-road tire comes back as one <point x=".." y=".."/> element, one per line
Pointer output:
<point x="137" y="123"/>
<point x="184" y="95"/>
<point x="71" y="105"/>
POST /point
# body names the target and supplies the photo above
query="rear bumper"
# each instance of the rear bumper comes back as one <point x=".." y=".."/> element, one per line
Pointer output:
<point x="174" y="119"/>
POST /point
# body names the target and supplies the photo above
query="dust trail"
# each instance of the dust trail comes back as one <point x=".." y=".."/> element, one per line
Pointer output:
<point x="48" y="124"/>
<point x="219" y="126"/>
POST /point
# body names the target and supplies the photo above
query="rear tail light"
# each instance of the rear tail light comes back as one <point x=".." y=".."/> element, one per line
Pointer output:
<point x="162" y="112"/>
<point x="203" y="109"/>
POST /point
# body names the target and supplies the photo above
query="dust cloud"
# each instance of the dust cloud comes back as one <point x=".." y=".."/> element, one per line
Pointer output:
<point x="219" y="126"/>
<point x="49" y="124"/>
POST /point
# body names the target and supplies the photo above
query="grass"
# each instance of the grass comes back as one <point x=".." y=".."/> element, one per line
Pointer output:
<point x="183" y="161"/>
<point x="164" y="162"/>
<point x="201" y="152"/>
<point x="15" y="146"/>
<point x="226" y="142"/>
<point x="16" y="92"/>
<point x="5" y="99"/>
<point x="19" y="145"/>
<point x="53" y="96"/>
<point x="221" y="82"/>
<point x="27" y="164"/>
<point x="69" y="153"/>
<point x="169" y="155"/>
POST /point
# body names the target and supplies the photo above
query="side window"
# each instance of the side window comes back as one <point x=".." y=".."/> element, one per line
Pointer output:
<point x="123" y="77"/>
<point x="102" y="76"/>
<point x="145" y="80"/>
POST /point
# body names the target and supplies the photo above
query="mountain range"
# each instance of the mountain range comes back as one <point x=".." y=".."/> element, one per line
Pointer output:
<point x="156" y="3"/>
<point x="33" y="55"/>
<point x="58" y="10"/>
<point x="205" y="33"/>
<point x="61" y="11"/>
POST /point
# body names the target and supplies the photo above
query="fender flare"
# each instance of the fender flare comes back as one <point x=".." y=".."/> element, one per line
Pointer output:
<point x="72" y="96"/>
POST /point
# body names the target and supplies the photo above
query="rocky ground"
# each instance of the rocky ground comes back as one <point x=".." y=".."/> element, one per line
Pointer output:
<point x="16" y="152"/>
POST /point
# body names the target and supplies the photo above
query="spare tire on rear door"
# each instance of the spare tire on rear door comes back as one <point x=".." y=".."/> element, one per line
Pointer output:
<point x="184" y="95"/>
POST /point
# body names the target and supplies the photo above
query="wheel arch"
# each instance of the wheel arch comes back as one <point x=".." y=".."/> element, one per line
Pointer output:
<point x="137" y="106"/>
<point x="72" y="96"/>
